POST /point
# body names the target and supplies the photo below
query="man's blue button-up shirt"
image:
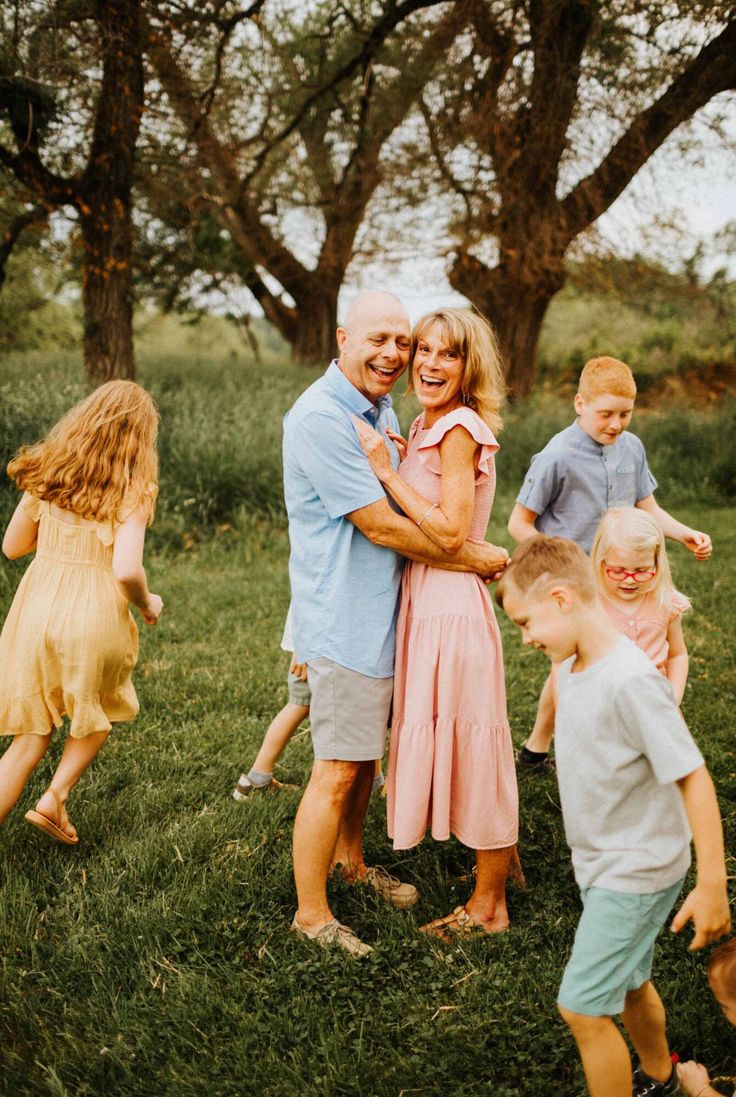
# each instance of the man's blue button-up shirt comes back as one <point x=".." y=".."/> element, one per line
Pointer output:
<point x="344" y="589"/>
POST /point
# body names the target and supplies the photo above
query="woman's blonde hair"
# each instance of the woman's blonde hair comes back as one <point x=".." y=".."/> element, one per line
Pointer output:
<point x="630" y="529"/>
<point x="483" y="386"/>
<point x="100" y="458"/>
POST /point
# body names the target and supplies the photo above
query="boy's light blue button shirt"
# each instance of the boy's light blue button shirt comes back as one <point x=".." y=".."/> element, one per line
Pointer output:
<point x="344" y="589"/>
<point x="574" y="479"/>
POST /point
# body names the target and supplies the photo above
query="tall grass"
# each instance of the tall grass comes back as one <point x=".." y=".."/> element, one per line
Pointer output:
<point x="221" y="424"/>
<point x="155" y="957"/>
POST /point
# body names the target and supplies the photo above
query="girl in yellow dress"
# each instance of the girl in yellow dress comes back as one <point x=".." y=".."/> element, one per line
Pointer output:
<point x="69" y="643"/>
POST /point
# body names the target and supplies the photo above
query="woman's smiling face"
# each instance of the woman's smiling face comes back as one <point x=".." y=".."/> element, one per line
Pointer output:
<point x="437" y="373"/>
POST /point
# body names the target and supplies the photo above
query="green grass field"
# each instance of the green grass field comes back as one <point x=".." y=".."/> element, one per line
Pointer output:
<point x="154" y="958"/>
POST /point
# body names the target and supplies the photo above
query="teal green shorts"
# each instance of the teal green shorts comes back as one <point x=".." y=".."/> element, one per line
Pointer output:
<point x="613" y="948"/>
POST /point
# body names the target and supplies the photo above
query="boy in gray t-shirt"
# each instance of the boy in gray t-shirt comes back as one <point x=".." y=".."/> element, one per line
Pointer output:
<point x="634" y="791"/>
<point x="590" y="466"/>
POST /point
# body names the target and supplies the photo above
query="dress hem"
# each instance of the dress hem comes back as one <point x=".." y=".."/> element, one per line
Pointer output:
<point x="454" y="834"/>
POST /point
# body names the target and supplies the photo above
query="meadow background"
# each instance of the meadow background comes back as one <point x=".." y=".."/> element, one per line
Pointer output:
<point x="155" y="957"/>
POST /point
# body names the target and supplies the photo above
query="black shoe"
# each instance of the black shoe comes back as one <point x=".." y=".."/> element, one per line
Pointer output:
<point x="529" y="760"/>
<point x="645" y="1086"/>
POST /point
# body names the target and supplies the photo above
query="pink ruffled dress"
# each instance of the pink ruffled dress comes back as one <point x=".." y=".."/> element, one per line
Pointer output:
<point x="451" y="764"/>
<point x="649" y="623"/>
<point x="69" y="642"/>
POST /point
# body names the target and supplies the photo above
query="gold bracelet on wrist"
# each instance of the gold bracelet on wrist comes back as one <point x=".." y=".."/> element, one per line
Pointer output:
<point x="427" y="514"/>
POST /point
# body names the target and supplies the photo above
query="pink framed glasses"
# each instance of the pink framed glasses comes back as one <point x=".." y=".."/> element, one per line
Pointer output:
<point x="619" y="574"/>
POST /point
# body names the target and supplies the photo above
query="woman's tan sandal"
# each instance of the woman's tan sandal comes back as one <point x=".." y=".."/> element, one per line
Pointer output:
<point x="48" y="826"/>
<point x="459" y="923"/>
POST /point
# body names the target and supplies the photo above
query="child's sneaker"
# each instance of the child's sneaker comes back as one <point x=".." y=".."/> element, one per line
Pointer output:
<point x="643" y="1085"/>
<point x="534" y="761"/>
<point x="378" y="788"/>
<point x="245" y="786"/>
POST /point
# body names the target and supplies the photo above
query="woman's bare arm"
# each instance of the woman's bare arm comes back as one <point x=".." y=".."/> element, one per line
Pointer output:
<point x="447" y="523"/>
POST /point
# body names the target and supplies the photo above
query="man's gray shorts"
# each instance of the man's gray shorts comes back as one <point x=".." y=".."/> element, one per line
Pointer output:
<point x="349" y="712"/>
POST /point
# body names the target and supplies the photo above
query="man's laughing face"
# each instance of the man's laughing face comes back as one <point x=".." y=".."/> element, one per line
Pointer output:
<point x="374" y="351"/>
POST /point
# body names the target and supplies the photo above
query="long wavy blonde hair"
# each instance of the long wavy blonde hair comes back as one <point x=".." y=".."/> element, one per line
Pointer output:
<point x="100" y="458"/>
<point x="483" y="386"/>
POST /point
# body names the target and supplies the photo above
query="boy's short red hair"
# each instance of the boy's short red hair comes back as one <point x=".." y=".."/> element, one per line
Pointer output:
<point x="606" y="375"/>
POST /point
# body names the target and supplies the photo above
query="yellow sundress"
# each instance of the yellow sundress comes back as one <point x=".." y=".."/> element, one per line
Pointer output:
<point x="69" y="643"/>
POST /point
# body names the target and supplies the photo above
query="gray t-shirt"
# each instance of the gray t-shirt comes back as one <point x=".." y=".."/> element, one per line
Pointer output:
<point x="621" y="744"/>
<point x="574" y="479"/>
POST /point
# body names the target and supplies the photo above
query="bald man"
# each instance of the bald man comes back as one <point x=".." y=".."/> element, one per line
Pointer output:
<point x="347" y="549"/>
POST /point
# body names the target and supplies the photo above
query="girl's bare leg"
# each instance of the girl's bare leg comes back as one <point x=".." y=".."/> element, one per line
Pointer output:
<point x="278" y="734"/>
<point x="16" y="766"/>
<point x="75" y="758"/>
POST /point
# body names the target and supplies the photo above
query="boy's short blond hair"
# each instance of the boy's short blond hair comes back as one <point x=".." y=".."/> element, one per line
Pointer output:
<point x="606" y="375"/>
<point x="722" y="965"/>
<point x="541" y="562"/>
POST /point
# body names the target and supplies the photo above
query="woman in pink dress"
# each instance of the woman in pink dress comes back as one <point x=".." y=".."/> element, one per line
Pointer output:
<point x="451" y="766"/>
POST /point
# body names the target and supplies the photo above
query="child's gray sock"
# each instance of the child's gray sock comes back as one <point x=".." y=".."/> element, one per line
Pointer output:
<point x="259" y="779"/>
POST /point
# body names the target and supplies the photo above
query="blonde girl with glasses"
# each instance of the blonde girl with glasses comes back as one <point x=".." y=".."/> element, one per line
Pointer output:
<point x="635" y="586"/>
<point x="69" y="643"/>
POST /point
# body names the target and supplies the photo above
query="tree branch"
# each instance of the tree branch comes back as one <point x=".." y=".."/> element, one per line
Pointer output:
<point x="242" y="216"/>
<point x="36" y="215"/>
<point x="435" y="145"/>
<point x="712" y="71"/>
<point x="559" y="33"/>
<point x="53" y="190"/>
<point x="227" y="29"/>
<point x="382" y="110"/>
<point x="375" y="39"/>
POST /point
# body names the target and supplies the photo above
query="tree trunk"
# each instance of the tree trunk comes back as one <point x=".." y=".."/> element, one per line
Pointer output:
<point x="514" y="297"/>
<point x="106" y="196"/>
<point x="107" y="292"/>
<point x="315" y="323"/>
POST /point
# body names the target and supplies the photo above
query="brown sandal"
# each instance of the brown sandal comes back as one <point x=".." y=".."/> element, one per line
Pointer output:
<point x="48" y="826"/>
<point x="459" y="923"/>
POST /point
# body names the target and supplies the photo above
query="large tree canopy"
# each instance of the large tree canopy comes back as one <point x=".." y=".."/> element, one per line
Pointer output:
<point x="543" y="115"/>
<point x="286" y="120"/>
<point x="276" y="132"/>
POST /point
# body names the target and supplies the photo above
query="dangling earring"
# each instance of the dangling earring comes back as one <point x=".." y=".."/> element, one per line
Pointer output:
<point x="466" y="399"/>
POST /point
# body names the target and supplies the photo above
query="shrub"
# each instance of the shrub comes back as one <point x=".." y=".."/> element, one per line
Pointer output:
<point x="221" y="424"/>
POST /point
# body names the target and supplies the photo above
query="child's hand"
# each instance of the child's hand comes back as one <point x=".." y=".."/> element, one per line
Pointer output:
<point x="693" y="1077"/>
<point x="699" y="544"/>
<point x="299" y="670"/>
<point x="709" y="911"/>
<point x="152" y="612"/>
<point x="401" y="443"/>
<point x="375" y="449"/>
